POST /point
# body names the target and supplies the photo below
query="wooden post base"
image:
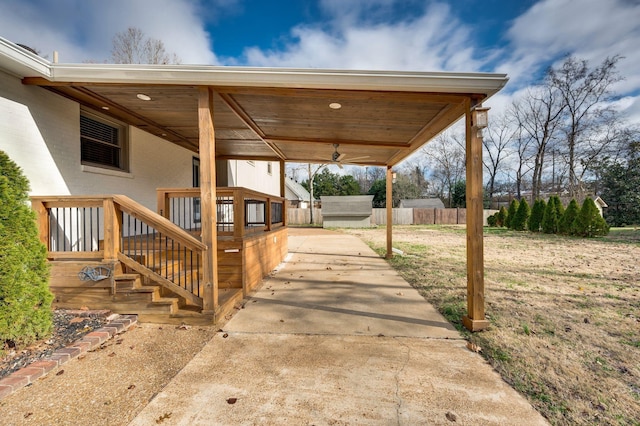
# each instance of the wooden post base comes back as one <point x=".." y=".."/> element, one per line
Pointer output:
<point x="474" y="325"/>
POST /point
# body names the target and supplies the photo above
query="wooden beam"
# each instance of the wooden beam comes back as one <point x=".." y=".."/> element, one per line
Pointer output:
<point x="389" y="212"/>
<point x="475" y="319"/>
<point x="208" y="199"/>
<point x="447" y="117"/>
<point x="246" y="118"/>
<point x="367" y="144"/>
<point x="338" y="95"/>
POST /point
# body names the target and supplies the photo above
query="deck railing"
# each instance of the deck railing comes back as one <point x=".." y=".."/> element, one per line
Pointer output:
<point x="239" y="211"/>
<point x="115" y="228"/>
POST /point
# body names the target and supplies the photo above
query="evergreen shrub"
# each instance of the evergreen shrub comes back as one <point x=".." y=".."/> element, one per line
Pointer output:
<point x="502" y="216"/>
<point x="566" y="225"/>
<point x="537" y="212"/>
<point x="511" y="213"/>
<point x="25" y="299"/>
<point x="552" y="214"/>
<point x="519" y="221"/>
<point x="589" y="223"/>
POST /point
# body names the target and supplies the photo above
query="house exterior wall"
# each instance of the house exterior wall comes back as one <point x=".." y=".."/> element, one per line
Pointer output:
<point x="254" y="175"/>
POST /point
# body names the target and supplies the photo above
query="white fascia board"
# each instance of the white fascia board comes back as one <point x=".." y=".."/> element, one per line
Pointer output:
<point x="440" y="82"/>
<point x="22" y="63"/>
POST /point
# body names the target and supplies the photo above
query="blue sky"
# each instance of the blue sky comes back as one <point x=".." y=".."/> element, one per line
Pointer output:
<point x="517" y="37"/>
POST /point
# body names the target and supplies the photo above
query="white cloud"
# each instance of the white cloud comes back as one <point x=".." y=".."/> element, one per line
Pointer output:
<point x="588" y="29"/>
<point x="81" y="30"/>
<point x="435" y="40"/>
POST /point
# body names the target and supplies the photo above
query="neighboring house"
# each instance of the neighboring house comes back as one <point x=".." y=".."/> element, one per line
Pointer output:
<point x="422" y="203"/>
<point x="296" y="194"/>
<point x="600" y="204"/>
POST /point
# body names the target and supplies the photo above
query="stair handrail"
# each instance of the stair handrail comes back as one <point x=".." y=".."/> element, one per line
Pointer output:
<point x="160" y="223"/>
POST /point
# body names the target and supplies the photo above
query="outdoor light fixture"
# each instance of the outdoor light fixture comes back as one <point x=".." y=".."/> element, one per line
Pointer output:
<point x="143" y="97"/>
<point x="394" y="175"/>
<point x="335" y="105"/>
<point x="480" y="117"/>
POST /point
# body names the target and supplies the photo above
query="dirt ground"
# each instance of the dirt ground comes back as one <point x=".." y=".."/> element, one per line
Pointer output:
<point x="111" y="385"/>
<point x="565" y="312"/>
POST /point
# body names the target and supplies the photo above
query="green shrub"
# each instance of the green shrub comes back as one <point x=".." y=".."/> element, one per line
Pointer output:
<point x="552" y="214"/>
<point x="502" y="216"/>
<point x="25" y="299"/>
<point x="589" y="223"/>
<point x="537" y="212"/>
<point x="566" y="225"/>
<point x="519" y="222"/>
<point x="491" y="220"/>
<point x="511" y="213"/>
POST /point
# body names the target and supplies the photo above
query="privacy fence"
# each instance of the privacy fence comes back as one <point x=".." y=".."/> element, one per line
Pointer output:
<point x="402" y="216"/>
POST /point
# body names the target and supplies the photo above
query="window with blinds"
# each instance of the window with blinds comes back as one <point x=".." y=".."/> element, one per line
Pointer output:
<point x="102" y="144"/>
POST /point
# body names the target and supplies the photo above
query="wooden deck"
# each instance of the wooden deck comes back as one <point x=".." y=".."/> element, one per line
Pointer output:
<point x="152" y="267"/>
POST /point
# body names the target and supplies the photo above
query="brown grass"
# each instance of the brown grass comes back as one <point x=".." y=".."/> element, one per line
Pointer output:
<point x="565" y="312"/>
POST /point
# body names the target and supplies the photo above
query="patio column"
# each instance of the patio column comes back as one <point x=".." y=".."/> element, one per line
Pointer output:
<point x="389" y="204"/>
<point x="208" y="199"/>
<point x="475" y="319"/>
<point x="283" y="193"/>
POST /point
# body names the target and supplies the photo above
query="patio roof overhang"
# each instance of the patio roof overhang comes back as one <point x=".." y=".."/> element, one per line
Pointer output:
<point x="285" y="115"/>
<point x="280" y="114"/>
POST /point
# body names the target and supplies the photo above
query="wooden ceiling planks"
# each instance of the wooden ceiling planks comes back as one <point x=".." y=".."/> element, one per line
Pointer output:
<point x="280" y="123"/>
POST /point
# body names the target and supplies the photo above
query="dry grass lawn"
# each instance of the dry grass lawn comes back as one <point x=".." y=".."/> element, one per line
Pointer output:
<point x="565" y="312"/>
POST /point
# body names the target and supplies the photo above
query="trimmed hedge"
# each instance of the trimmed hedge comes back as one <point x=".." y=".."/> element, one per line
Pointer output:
<point x="552" y="218"/>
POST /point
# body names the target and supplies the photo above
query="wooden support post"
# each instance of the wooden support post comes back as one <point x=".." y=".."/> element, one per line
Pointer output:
<point x="389" y="212"/>
<point x="208" y="200"/>
<point x="283" y="193"/>
<point x="112" y="230"/>
<point x="475" y="319"/>
<point x="42" y="218"/>
<point x="164" y="206"/>
<point x="238" y="214"/>
<point x="267" y="214"/>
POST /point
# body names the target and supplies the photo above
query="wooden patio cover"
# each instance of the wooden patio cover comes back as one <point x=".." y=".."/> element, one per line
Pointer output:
<point x="377" y="118"/>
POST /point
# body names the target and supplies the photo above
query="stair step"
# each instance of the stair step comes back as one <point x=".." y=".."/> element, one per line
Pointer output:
<point x="126" y="277"/>
<point x="170" y="302"/>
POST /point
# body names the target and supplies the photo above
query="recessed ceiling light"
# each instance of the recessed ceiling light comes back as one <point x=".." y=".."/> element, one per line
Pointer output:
<point x="143" y="97"/>
<point x="335" y="105"/>
<point x="106" y="108"/>
<point x="164" y="134"/>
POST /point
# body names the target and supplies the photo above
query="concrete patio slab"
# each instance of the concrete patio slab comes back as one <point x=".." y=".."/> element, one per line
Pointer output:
<point x="336" y="337"/>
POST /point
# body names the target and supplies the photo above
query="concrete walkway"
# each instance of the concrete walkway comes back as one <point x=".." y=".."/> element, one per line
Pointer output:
<point x="337" y="337"/>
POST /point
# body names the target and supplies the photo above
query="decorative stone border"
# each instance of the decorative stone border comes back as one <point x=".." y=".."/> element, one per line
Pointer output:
<point x="27" y="375"/>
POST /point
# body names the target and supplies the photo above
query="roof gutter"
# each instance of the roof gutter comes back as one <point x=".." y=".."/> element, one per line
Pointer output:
<point x="26" y="64"/>
<point x="22" y="63"/>
<point x="484" y="83"/>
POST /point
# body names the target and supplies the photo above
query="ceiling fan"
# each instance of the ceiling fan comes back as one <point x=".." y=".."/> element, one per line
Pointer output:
<point x="337" y="158"/>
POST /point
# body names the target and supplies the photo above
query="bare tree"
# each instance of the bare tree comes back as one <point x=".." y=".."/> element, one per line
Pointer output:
<point x="446" y="157"/>
<point x="313" y="171"/>
<point x="133" y="47"/>
<point x="538" y="116"/>
<point x="589" y="120"/>
<point x="497" y="138"/>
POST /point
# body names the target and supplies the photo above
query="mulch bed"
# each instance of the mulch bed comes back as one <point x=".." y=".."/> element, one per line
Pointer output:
<point x="69" y="326"/>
